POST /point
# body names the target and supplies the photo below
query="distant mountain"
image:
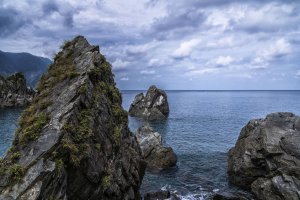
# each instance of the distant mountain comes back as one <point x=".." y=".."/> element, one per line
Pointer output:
<point x="31" y="66"/>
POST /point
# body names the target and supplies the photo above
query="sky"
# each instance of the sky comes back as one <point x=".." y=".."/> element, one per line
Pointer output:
<point x="176" y="45"/>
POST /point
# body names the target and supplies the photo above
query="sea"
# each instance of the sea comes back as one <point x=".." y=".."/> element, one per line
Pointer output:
<point x="201" y="128"/>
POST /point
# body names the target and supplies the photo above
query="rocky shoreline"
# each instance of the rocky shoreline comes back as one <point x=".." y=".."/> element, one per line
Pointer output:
<point x="14" y="91"/>
<point x="74" y="141"/>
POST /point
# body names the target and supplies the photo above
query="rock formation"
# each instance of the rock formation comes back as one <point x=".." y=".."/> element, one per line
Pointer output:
<point x="266" y="157"/>
<point x="156" y="155"/>
<point x="14" y="91"/>
<point x="73" y="142"/>
<point x="153" y="106"/>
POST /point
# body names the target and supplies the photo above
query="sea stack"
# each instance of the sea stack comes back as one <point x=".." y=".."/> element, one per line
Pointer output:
<point x="14" y="91"/>
<point x="73" y="141"/>
<point x="266" y="157"/>
<point x="153" y="106"/>
<point x="157" y="156"/>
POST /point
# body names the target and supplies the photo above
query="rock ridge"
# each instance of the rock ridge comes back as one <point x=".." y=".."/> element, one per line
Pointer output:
<point x="73" y="141"/>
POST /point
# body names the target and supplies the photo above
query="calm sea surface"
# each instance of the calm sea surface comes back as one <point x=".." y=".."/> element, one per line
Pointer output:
<point x="201" y="128"/>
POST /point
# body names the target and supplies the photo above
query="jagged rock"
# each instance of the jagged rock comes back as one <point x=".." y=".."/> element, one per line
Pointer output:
<point x="14" y="91"/>
<point x="153" y="106"/>
<point x="266" y="157"/>
<point x="156" y="155"/>
<point x="161" y="195"/>
<point x="73" y="142"/>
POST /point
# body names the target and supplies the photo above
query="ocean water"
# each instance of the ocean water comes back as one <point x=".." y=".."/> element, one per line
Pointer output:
<point x="201" y="128"/>
<point x="8" y="124"/>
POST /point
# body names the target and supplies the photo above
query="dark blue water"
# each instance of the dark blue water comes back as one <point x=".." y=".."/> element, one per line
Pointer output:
<point x="201" y="128"/>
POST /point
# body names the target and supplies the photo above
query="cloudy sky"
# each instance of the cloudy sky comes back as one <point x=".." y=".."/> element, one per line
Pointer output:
<point x="182" y="44"/>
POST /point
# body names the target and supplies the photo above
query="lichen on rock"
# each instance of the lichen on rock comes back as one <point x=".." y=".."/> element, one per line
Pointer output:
<point x="73" y="141"/>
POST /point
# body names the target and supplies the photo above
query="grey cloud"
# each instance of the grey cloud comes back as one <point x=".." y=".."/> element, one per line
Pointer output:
<point x="177" y="22"/>
<point x="10" y="22"/>
<point x="50" y="7"/>
<point x="68" y="19"/>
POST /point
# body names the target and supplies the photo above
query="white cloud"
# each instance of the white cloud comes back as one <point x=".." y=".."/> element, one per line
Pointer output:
<point x="224" y="60"/>
<point x="278" y="49"/>
<point x="147" y="72"/>
<point x="201" y="71"/>
<point x="221" y="43"/>
<point x="119" y="64"/>
<point x="142" y="48"/>
<point x="124" y="78"/>
<point x="186" y="48"/>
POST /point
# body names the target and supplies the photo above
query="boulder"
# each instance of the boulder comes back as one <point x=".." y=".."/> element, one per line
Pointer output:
<point x="14" y="91"/>
<point x="153" y="106"/>
<point x="73" y="141"/>
<point x="266" y="157"/>
<point x="156" y="155"/>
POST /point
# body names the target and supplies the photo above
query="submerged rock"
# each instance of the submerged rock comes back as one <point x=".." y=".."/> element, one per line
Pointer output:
<point x="156" y="155"/>
<point x="161" y="195"/>
<point x="14" y="91"/>
<point x="73" y="141"/>
<point x="266" y="157"/>
<point x="153" y="106"/>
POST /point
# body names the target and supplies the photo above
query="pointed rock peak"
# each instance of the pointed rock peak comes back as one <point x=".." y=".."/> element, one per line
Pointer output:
<point x="73" y="140"/>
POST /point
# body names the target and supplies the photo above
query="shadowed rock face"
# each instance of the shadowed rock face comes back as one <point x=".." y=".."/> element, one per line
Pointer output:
<point x="266" y="157"/>
<point x="156" y="155"/>
<point x="73" y="141"/>
<point x="153" y="106"/>
<point x="14" y="91"/>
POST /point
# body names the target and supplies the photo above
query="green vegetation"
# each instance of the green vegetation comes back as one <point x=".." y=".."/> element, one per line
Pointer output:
<point x="31" y="126"/>
<point x="66" y="44"/>
<point x="98" y="146"/>
<point x="16" y="173"/>
<point x="15" y="156"/>
<point x="106" y="182"/>
<point x="117" y="135"/>
<point x="13" y="171"/>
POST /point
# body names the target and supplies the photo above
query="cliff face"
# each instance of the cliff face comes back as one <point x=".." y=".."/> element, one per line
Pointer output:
<point x="14" y="91"/>
<point x="73" y="141"/>
<point x="266" y="157"/>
